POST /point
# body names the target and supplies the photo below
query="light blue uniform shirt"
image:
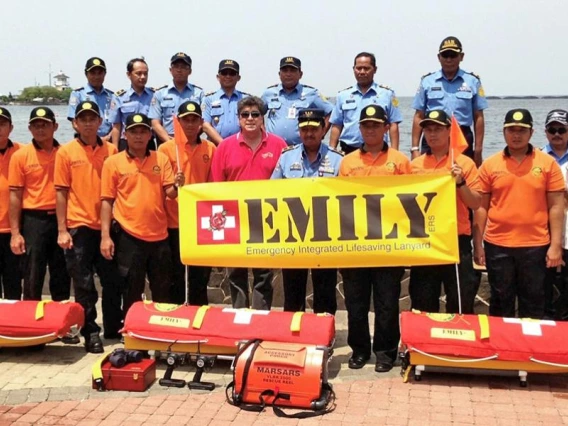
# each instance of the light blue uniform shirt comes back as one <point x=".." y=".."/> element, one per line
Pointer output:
<point x="351" y="101"/>
<point x="283" y="107"/>
<point x="462" y="96"/>
<point x="104" y="100"/>
<point x="129" y="102"/>
<point x="167" y="100"/>
<point x="559" y="160"/>
<point x="220" y="111"/>
<point x="294" y="163"/>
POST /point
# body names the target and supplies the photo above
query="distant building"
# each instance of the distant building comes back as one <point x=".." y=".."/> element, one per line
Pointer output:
<point x="61" y="81"/>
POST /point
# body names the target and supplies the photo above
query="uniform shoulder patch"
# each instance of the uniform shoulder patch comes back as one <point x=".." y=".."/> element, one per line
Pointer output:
<point x="200" y="88"/>
<point x="246" y="94"/>
<point x="347" y="88"/>
<point x="274" y="85"/>
<point x="426" y="75"/>
<point x="110" y="91"/>
<point x="335" y="151"/>
<point x="384" y="86"/>
<point x="151" y="89"/>
<point x="474" y="74"/>
<point x="209" y="94"/>
<point x="290" y="148"/>
<point x="308" y="86"/>
<point x="78" y="88"/>
<point x="120" y="92"/>
<point x="159" y="88"/>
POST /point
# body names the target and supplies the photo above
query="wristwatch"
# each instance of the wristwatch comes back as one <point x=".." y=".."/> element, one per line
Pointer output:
<point x="459" y="185"/>
<point x="415" y="148"/>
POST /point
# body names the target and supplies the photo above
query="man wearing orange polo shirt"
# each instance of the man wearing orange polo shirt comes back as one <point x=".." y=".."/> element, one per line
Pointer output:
<point x="195" y="162"/>
<point x="10" y="273"/>
<point x="33" y="223"/>
<point x="374" y="158"/>
<point x="520" y="220"/>
<point x="251" y="154"/>
<point x="134" y="186"/>
<point x="425" y="281"/>
<point x="78" y="168"/>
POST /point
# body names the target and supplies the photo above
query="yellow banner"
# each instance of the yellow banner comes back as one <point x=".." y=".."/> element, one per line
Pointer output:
<point x="320" y="222"/>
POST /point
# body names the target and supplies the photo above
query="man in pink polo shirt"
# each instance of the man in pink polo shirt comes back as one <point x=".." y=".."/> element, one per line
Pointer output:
<point x="251" y="154"/>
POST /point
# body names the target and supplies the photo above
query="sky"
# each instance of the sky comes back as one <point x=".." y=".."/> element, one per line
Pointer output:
<point x="515" y="46"/>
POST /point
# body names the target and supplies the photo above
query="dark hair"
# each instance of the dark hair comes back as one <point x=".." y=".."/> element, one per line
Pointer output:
<point x="366" y="55"/>
<point x="130" y="64"/>
<point x="252" y="101"/>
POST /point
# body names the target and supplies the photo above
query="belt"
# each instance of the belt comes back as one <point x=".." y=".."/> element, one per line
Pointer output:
<point x="38" y="213"/>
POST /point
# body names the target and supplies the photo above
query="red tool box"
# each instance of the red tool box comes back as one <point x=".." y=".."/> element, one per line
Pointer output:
<point x="134" y="376"/>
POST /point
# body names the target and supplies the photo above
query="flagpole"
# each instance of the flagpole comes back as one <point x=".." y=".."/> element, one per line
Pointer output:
<point x="459" y="289"/>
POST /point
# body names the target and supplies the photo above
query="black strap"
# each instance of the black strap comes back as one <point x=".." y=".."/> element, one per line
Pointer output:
<point x="330" y="406"/>
<point x="237" y="398"/>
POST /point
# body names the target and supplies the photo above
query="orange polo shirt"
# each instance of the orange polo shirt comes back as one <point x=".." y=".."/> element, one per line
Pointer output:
<point x="138" y="190"/>
<point x="518" y="208"/>
<point x="427" y="164"/>
<point x="4" y="187"/>
<point x="196" y="166"/>
<point x="78" y="168"/>
<point x="361" y="163"/>
<point x="31" y="169"/>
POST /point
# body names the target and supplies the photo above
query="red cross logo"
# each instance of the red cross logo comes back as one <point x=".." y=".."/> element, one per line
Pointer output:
<point x="218" y="222"/>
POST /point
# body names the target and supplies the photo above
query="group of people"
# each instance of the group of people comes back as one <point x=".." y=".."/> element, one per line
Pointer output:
<point x="105" y="202"/>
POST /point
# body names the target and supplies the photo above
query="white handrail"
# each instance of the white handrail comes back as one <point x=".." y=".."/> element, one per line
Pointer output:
<point x="458" y="361"/>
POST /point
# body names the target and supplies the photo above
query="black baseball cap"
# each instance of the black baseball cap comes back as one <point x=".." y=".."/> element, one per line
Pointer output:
<point x="557" y="116"/>
<point x="373" y="113"/>
<point x="94" y="62"/>
<point x="518" y="117"/>
<point x="180" y="56"/>
<point x="229" y="64"/>
<point x="450" y="43"/>
<point x="87" y="106"/>
<point x="6" y="114"/>
<point x="42" y="113"/>
<point x="290" y="61"/>
<point x="437" y="116"/>
<point x="189" y="108"/>
<point x="311" y="117"/>
<point x="137" y="120"/>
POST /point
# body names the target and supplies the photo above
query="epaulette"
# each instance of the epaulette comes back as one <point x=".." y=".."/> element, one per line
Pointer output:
<point x="335" y="150"/>
<point x="200" y="88"/>
<point x="120" y="92"/>
<point x="290" y="148"/>
<point x="383" y="86"/>
<point x="246" y="94"/>
<point x="274" y="85"/>
<point x="209" y="94"/>
<point x="474" y="74"/>
<point x="110" y="91"/>
<point x="347" y="88"/>
<point x="308" y="86"/>
<point x="151" y="89"/>
<point x="159" y="88"/>
<point x="426" y="75"/>
<point x="77" y="89"/>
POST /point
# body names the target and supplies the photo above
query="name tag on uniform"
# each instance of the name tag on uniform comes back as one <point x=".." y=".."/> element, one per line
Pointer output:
<point x="435" y="89"/>
<point x="295" y="166"/>
<point x="292" y="112"/>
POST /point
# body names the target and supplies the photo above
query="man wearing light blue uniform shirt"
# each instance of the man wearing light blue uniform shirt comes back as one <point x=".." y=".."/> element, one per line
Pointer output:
<point x="286" y="99"/>
<point x="457" y="92"/>
<point x="219" y="108"/>
<point x="351" y="101"/>
<point x="167" y="99"/>
<point x="94" y="91"/>
<point x="135" y="100"/>
<point x="311" y="158"/>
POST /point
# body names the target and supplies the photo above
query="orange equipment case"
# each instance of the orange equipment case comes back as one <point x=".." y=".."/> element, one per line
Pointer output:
<point x="30" y="322"/>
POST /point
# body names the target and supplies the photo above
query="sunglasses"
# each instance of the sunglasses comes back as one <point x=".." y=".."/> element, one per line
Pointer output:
<point x="232" y="73"/>
<point x="247" y="114"/>
<point x="449" y="54"/>
<point x="554" y="130"/>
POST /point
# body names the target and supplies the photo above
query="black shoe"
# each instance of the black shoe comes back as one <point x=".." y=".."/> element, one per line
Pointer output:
<point x="383" y="367"/>
<point x="94" y="344"/>
<point x="113" y="336"/>
<point x="70" y="339"/>
<point x="357" y="361"/>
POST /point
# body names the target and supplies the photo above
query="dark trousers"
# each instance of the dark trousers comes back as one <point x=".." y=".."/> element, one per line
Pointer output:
<point x="516" y="273"/>
<point x="426" y="281"/>
<point x="197" y="276"/>
<point x="135" y="258"/>
<point x="10" y="272"/>
<point x="324" y="282"/>
<point x="468" y="134"/>
<point x="557" y="309"/>
<point x="383" y="285"/>
<point x="347" y="149"/>
<point x="83" y="260"/>
<point x="261" y="288"/>
<point x="39" y="229"/>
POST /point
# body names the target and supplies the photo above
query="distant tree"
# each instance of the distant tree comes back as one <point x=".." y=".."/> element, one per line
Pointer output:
<point x="47" y="93"/>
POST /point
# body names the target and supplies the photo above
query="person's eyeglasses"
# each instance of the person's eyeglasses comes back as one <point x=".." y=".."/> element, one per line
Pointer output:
<point x="554" y="130"/>
<point x="232" y="73"/>
<point x="247" y="114"/>
<point x="449" y="54"/>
